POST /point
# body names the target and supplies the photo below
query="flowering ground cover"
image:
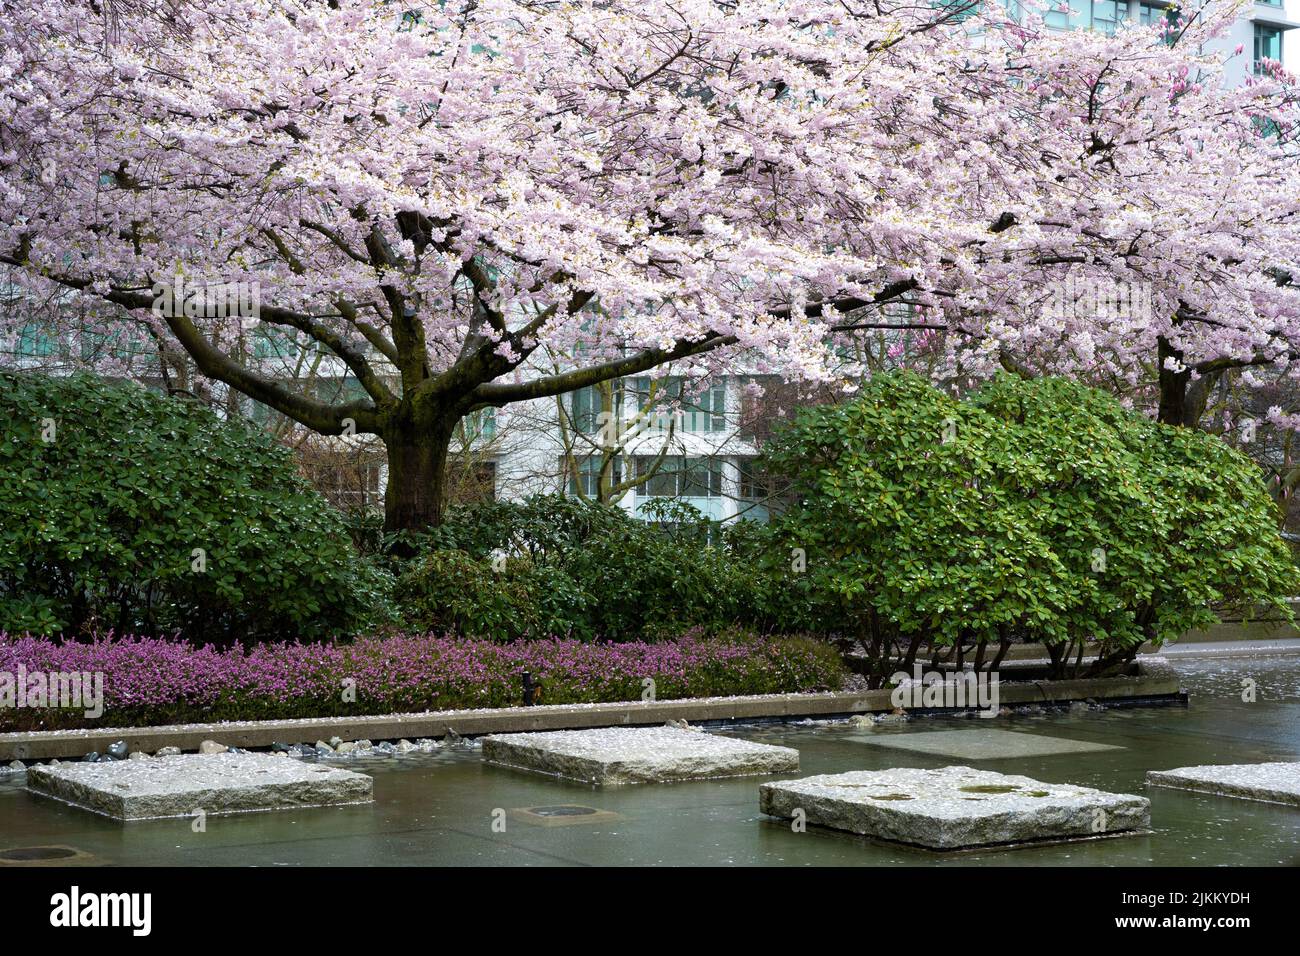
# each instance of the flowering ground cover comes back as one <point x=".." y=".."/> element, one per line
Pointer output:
<point x="149" y="681"/>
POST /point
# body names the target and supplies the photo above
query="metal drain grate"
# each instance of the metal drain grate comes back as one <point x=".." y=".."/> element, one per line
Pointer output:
<point x="562" y="814"/>
<point x="37" y="854"/>
<point x="566" y="810"/>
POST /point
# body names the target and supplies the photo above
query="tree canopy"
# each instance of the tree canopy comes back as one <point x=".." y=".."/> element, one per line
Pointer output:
<point x="437" y="198"/>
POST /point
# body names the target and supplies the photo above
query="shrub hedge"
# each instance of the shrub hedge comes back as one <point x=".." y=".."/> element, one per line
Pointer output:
<point x="122" y="508"/>
<point x="1035" y="510"/>
<point x="1031" y="511"/>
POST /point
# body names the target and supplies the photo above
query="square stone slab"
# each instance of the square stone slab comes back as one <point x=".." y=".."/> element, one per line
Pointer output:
<point x="1269" y="782"/>
<point x="616" y="755"/>
<point x="983" y="744"/>
<point x="952" y="808"/>
<point x="214" y="783"/>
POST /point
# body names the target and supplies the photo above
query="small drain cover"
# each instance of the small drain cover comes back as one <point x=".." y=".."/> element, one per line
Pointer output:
<point x="37" y="854"/>
<point x="566" y="810"/>
<point x="562" y="814"/>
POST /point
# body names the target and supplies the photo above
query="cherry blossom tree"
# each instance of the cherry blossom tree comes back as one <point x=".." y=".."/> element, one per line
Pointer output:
<point x="1157" y="248"/>
<point x="430" y="196"/>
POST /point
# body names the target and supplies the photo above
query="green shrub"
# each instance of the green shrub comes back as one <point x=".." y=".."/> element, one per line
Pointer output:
<point x="542" y="527"/>
<point x="574" y="569"/>
<point x="458" y="593"/>
<point x="648" y="581"/>
<point x="559" y="605"/>
<point x="782" y="591"/>
<point x="1038" y="510"/>
<point x="121" y="508"/>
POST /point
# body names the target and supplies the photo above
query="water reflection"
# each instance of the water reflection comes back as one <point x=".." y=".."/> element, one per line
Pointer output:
<point x="440" y="808"/>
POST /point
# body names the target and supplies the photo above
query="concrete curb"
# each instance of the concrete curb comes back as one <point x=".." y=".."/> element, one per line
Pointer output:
<point x="1156" y="679"/>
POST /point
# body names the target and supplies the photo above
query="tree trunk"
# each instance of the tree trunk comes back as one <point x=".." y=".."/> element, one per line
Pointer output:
<point x="1182" y="399"/>
<point x="417" y="475"/>
<point x="1173" y="385"/>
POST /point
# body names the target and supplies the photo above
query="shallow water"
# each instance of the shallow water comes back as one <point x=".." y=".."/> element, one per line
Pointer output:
<point x="439" y="809"/>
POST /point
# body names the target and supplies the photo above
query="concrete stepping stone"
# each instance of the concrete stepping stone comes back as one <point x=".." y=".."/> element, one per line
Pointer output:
<point x="213" y="783"/>
<point x="1267" y="782"/>
<point x="618" y="755"/>
<point x="953" y="808"/>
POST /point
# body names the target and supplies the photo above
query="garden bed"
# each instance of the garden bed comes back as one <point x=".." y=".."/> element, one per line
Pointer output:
<point x="152" y="681"/>
<point x="1155" y="683"/>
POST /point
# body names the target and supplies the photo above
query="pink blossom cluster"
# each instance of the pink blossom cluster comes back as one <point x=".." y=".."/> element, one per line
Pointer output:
<point x="157" y="680"/>
<point x="680" y="182"/>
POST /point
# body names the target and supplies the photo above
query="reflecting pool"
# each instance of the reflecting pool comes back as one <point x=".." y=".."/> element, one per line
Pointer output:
<point x="449" y="808"/>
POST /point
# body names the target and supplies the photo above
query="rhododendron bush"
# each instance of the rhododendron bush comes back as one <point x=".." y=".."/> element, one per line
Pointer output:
<point x="469" y="204"/>
<point x="123" y="508"/>
<point x="156" y="681"/>
<point x="1030" y="512"/>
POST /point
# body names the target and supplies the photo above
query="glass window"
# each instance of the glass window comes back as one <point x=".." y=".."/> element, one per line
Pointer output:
<point x="961" y="9"/>
<point x="584" y="409"/>
<point x="35" y="342"/>
<point x="687" y="477"/>
<point x="708" y="412"/>
<point x="1268" y="45"/>
<point x="480" y="423"/>
<point x="1104" y="16"/>
<point x="339" y="390"/>
<point x="1266" y="127"/>
<point x="587" y="479"/>
<point x="1057" y="16"/>
<point x="587" y="406"/>
<point x="270" y="342"/>
<point x="1107" y="15"/>
<point x="1150" y="14"/>
<point x="656" y="481"/>
<point x="754" y="485"/>
<point x="262" y="414"/>
<point x="705" y="411"/>
<point x="643" y="390"/>
<point x="663" y="389"/>
<point x="702" y="478"/>
<point x="116" y="344"/>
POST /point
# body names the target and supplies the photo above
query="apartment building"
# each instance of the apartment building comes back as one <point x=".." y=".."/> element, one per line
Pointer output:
<point x="1260" y="28"/>
<point x="638" y="442"/>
